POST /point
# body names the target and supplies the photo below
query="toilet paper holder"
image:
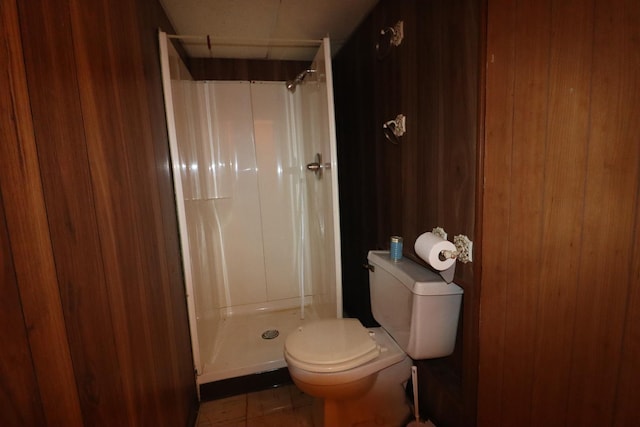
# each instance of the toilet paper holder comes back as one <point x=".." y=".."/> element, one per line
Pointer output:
<point x="463" y="244"/>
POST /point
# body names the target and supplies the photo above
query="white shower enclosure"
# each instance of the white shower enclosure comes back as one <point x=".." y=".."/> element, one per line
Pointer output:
<point x="259" y="231"/>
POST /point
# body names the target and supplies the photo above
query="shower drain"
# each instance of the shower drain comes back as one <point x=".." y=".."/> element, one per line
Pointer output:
<point x="270" y="334"/>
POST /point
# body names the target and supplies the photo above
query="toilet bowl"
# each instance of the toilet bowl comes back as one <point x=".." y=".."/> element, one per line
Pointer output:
<point x="360" y="373"/>
<point x="339" y="357"/>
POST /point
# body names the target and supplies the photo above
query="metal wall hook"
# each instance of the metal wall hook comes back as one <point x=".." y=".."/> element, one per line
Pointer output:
<point x="389" y="37"/>
<point x="394" y="129"/>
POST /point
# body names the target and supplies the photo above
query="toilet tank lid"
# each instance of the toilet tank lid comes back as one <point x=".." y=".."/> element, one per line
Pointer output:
<point x="420" y="280"/>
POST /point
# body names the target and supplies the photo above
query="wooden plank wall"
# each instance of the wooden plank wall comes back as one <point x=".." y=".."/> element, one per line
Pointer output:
<point x="428" y="180"/>
<point x="559" y="330"/>
<point x="37" y="373"/>
<point x="356" y="133"/>
<point x="245" y="69"/>
<point x="105" y="223"/>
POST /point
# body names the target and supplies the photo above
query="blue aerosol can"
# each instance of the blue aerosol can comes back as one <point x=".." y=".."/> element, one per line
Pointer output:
<point x="396" y="248"/>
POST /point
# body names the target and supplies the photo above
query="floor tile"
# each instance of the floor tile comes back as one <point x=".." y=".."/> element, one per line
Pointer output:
<point x="268" y="401"/>
<point x="288" y="417"/>
<point x="298" y="398"/>
<point x="277" y="407"/>
<point x="231" y="411"/>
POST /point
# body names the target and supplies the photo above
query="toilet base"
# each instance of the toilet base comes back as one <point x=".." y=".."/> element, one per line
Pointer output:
<point x="384" y="404"/>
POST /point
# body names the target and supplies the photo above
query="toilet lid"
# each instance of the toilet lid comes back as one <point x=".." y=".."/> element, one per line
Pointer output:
<point x="331" y="345"/>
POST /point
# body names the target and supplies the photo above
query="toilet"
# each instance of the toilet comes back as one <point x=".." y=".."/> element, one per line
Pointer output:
<point x="359" y="373"/>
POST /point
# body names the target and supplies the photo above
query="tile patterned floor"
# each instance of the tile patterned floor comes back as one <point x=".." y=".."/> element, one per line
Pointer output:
<point x="276" y="407"/>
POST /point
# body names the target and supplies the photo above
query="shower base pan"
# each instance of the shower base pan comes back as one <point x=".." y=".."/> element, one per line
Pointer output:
<point x="251" y="343"/>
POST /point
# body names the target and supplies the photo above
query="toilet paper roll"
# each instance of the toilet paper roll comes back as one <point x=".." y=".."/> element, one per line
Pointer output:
<point x="428" y="247"/>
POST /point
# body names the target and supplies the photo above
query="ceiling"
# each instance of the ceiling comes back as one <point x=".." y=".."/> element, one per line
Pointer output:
<point x="239" y="21"/>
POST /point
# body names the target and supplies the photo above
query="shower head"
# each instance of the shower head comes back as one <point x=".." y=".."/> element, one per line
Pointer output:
<point x="291" y="84"/>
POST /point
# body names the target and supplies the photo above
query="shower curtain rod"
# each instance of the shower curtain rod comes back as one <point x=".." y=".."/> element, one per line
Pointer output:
<point x="222" y="41"/>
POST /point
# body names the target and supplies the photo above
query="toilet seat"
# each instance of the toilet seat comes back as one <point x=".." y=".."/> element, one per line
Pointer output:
<point x="330" y="345"/>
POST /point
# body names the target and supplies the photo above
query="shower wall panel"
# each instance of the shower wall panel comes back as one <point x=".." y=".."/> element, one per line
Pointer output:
<point x="244" y="197"/>
<point x="176" y="82"/>
<point x="204" y="165"/>
<point x="204" y="244"/>
<point x="239" y="258"/>
<point x="281" y="185"/>
<point x="315" y="128"/>
<point x="312" y="128"/>
<point x="245" y="213"/>
<point x="320" y="266"/>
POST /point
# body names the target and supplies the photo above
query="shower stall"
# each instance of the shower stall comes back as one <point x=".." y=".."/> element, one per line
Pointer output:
<point x="255" y="181"/>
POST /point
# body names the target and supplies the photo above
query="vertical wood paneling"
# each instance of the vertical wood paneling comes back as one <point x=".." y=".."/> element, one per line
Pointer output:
<point x="530" y="96"/>
<point x="563" y="205"/>
<point x="559" y="304"/>
<point x="71" y="212"/>
<point x="611" y="189"/>
<point x="30" y="243"/>
<point x="388" y="103"/>
<point x="498" y="170"/>
<point x="113" y="96"/>
<point x="410" y="189"/>
<point x="355" y="131"/>
<point x="447" y="59"/>
<point x="151" y="16"/>
<point x="430" y="102"/>
<point x="20" y="403"/>
<point x="429" y="178"/>
<point x="245" y="69"/>
<point x="626" y="410"/>
<point x="101" y="135"/>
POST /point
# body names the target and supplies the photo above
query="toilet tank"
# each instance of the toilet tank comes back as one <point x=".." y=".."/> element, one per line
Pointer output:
<point x="414" y="305"/>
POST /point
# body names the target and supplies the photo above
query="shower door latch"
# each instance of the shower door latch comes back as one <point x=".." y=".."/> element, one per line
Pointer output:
<point x="317" y="166"/>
